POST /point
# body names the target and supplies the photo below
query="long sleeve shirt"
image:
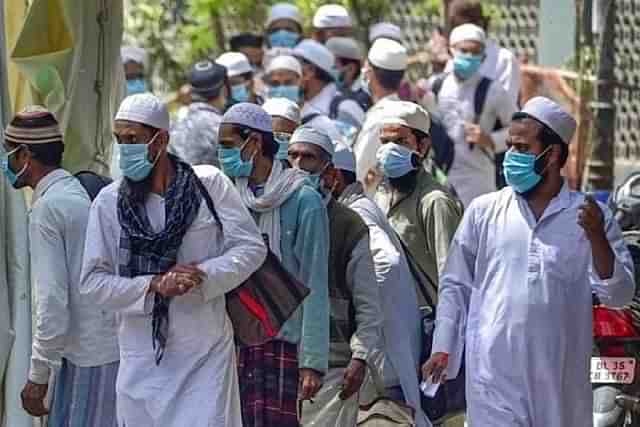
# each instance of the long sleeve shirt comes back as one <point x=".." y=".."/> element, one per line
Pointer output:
<point x="473" y="170"/>
<point x="516" y="293"/>
<point x="67" y="325"/>
<point x="305" y="253"/>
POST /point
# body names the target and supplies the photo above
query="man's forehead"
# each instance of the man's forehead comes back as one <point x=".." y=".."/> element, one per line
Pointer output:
<point x="127" y="126"/>
<point x="305" y="148"/>
<point x="394" y="129"/>
<point x="523" y="127"/>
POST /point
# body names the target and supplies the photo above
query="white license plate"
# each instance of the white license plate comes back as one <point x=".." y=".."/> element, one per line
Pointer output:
<point x="617" y="370"/>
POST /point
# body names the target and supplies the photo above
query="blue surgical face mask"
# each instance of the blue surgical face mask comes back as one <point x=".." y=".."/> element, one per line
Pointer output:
<point x="134" y="160"/>
<point x="240" y="93"/>
<point x="135" y="86"/>
<point x="232" y="164"/>
<point x="291" y="92"/>
<point x="283" y="145"/>
<point x="465" y="66"/>
<point x="520" y="170"/>
<point x="284" y="38"/>
<point x="395" y="160"/>
<point x="6" y="169"/>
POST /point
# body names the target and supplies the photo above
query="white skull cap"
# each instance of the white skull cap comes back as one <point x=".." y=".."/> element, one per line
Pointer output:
<point x="236" y="63"/>
<point x="332" y="16"/>
<point x="146" y="109"/>
<point x="552" y="115"/>
<point x="282" y="107"/>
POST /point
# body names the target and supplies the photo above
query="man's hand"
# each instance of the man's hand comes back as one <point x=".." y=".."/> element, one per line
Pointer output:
<point x="353" y="378"/>
<point x="591" y="219"/>
<point x="435" y="368"/>
<point x="33" y="399"/>
<point x="474" y="135"/>
<point x="177" y="281"/>
<point x="310" y="383"/>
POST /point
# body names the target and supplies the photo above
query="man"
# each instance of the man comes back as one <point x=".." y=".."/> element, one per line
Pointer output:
<point x="240" y="76"/>
<point x="500" y="64"/>
<point x="383" y="71"/>
<point x="164" y="245"/>
<point x="195" y="138"/>
<point x="349" y="59"/>
<point x="284" y="26"/>
<point x="283" y="78"/>
<point x="401" y="336"/>
<point x="134" y="60"/>
<point x="319" y="88"/>
<point x="473" y="170"/>
<point x="331" y="20"/>
<point x="422" y="212"/>
<point x="69" y="330"/>
<point x="355" y="311"/>
<point x="285" y="119"/>
<point x="290" y="212"/>
<point x="251" y="46"/>
<point x="517" y="288"/>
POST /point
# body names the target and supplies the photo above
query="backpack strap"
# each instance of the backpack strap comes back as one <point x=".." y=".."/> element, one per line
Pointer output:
<point x="335" y="104"/>
<point x="480" y="97"/>
<point x="436" y="87"/>
<point x="309" y="118"/>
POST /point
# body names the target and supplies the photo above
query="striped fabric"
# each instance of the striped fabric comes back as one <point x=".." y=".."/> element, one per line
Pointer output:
<point x="268" y="376"/>
<point x="84" y="397"/>
<point x="35" y="126"/>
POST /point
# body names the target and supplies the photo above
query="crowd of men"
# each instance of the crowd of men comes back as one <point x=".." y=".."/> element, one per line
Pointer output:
<point x="308" y="149"/>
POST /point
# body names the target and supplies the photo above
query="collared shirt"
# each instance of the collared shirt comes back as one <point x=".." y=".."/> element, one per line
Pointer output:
<point x="195" y="138"/>
<point x="67" y="325"/>
<point x="502" y="66"/>
<point x="349" y="110"/>
<point x="473" y="170"/>
<point x="368" y="141"/>
<point x="425" y="218"/>
<point x="517" y="294"/>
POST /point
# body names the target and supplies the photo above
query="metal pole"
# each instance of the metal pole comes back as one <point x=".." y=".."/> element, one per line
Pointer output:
<point x="601" y="163"/>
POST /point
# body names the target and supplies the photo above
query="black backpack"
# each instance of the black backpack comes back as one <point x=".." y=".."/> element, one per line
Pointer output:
<point x="92" y="182"/>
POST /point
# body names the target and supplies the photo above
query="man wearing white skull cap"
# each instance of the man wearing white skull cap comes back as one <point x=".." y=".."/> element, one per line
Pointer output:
<point x="383" y="72"/>
<point x="321" y="94"/>
<point x="331" y="20"/>
<point x="355" y="306"/>
<point x="146" y="260"/>
<point x="290" y="212"/>
<point x="474" y="111"/>
<point x="398" y="356"/>
<point x="285" y="119"/>
<point x="284" y="26"/>
<point x="385" y="30"/>
<point x="349" y="60"/>
<point x="134" y="60"/>
<point x="518" y="286"/>
<point x="283" y="78"/>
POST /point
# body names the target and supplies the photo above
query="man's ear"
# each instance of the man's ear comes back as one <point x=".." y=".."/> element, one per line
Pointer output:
<point x="424" y="145"/>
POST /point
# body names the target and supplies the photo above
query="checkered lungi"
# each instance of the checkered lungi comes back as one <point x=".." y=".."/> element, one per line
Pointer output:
<point x="268" y="376"/>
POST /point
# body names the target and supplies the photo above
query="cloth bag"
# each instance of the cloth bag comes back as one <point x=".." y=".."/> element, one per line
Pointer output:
<point x="383" y="411"/>
<point x="265" y="301"/>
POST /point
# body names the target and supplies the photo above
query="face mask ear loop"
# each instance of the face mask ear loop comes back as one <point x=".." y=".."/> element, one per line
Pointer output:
<point x="542" y="170"/>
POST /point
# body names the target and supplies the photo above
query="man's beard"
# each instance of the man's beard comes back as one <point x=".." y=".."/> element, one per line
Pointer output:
<point x="137" y="191"/>
<point x="405" y="183"/>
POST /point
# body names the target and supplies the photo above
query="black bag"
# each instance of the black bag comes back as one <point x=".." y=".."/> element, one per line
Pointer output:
<point x="450" y="398"/>
<point x="92" y="182"/>
<point x="265" y="301"/>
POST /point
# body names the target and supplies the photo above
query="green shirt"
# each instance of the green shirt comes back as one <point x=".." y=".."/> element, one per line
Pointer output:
<point x="425" y="218"/>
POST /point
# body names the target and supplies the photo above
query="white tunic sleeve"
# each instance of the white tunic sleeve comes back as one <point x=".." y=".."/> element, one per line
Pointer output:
<point x="619" y="289"/>
<point x="454" y="293"/>
<point x="244" y="249"/>
<point x="99" y="279"/>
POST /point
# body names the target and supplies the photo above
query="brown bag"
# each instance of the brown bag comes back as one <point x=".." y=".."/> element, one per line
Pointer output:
<point x="265" y="301"/>
<point x="260" y="306"/>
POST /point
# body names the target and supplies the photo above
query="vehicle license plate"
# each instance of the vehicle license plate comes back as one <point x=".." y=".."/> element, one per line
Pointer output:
<point x="617" y="370"/>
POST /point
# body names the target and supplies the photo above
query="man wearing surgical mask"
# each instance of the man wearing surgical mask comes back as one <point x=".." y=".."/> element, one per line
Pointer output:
<point x="285" y="119"/>
<point x="134" y="60"/>
<point x="240" y="76"/>
<point x="283" y="78"/>
<point x="164" y="245"/>
<point x="291" y="213"/>
<point x="423" y="213"/>
<point x="284" y="26"/>
<point x="470" y="126"/>
<point x="517" y="290"/>
<point x="72" y="335"/>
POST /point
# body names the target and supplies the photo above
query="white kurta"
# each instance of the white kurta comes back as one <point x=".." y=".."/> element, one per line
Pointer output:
<point x="399" y="303"/>
<point x="196" y="382"/>
<point x="518" y="292"/>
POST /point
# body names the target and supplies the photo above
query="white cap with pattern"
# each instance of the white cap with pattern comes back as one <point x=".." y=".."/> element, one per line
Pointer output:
<point x="250" y="115"/>
<point x="284" y="62"/>
<point x="310" y="135"/>
<point x="552" y="115"/>
<point x="146" y="109"/>
<point x="315" y="53"/>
